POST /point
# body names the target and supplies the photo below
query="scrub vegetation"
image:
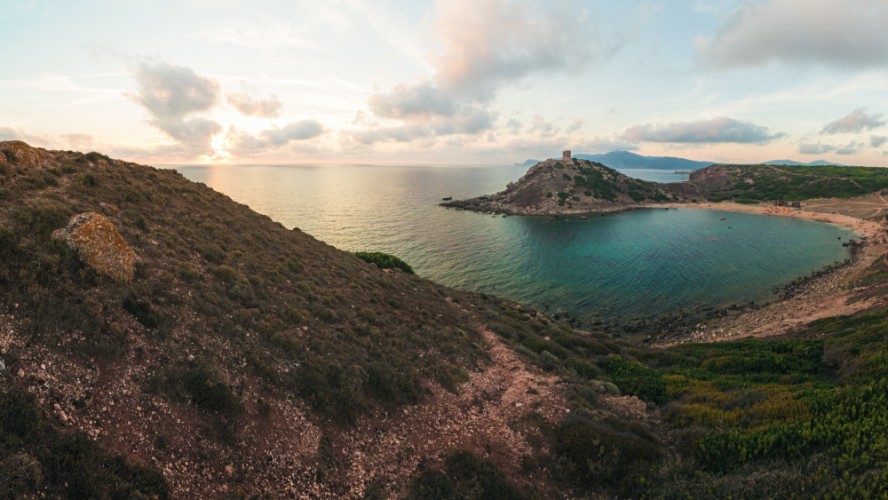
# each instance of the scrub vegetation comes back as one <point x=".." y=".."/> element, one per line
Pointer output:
<point x="783" y="182"/>
<point x="233" y="324"/>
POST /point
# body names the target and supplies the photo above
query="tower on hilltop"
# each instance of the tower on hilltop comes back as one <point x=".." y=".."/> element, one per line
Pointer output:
<point x="565" y="156"/>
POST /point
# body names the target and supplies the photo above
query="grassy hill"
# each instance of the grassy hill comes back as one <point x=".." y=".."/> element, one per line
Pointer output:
<point x="783" y="182"/>
<point x="242" y="358"/>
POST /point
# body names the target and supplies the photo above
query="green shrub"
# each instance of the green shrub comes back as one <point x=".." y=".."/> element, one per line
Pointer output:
<point x="607" y="452"/>
<point x="142" y="311"/>
<point x="204" y="387"/>
<point x="465" y="477"/>
<point x="636" y="379"/>
<point x="384" y="261"/>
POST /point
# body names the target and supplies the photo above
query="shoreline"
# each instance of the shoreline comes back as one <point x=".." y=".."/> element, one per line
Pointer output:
<point x="819" y="297"/>
<point x="824" y="294"/>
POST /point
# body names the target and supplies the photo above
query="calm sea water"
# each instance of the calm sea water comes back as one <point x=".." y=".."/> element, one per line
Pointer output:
<point x="628" y="264"/>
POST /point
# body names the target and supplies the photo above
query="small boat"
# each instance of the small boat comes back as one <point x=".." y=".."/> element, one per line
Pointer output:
<point x="447" y="199"/>
<point x="724" y="218"/>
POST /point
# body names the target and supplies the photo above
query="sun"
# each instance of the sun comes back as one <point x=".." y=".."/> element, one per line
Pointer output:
<point x="219" y="143"/>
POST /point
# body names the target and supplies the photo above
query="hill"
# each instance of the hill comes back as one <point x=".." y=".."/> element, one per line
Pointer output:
<point x="565" y="187"/>
<point x="626" y="159"/>
<point x="815" y="163"/>
<point x="529" y="162"/>
<point x="781" y="182"/>
<point x="159" y="340"/>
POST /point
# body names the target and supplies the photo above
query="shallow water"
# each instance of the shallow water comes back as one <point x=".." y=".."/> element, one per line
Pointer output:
<point x="628" y="264"/>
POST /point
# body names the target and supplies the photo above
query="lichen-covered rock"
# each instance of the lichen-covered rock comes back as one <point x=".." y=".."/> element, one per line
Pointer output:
<point x="21" y="154"/>
<point x="100" y="245"/>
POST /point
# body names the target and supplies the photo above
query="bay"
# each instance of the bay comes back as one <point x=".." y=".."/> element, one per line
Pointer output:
<point x="629" y="264"/>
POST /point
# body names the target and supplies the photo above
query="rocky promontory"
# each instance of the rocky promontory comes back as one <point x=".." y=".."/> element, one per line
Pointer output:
<point x="569" y="186"/>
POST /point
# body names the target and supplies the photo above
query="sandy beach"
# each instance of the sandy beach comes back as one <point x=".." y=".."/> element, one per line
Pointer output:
<point x="821" y="297"/>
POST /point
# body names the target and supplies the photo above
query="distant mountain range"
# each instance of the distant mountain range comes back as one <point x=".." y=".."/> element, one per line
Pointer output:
<point x="626" y="159"/>
<point x="815" y="163"/>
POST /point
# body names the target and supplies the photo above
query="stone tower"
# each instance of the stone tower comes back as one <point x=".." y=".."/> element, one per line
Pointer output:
<point x="565" y="156"/>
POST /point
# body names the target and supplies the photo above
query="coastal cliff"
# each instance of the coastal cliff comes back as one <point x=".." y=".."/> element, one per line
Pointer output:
<point x="568" y="186"/>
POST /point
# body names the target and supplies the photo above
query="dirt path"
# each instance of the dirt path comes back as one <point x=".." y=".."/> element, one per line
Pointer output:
<point x="488" y="415"/>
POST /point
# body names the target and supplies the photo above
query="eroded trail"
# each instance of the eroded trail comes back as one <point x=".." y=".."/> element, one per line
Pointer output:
<point x="488" y="416"/>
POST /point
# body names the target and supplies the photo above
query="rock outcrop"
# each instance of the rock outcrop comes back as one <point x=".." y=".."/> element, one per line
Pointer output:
<point x="100" y="245"/>
<point x="20" y="154"/>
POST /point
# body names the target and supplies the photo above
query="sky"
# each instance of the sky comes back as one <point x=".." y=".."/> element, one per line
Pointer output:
<point x="447" y="81"/>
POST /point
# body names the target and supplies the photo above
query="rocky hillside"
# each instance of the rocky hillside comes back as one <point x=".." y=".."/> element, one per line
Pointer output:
<point x="575" y="187"/>
<point x="159" y="340"/>
<point x="183" y="344"/>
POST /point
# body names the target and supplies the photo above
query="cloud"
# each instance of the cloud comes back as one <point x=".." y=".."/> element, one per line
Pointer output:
<point x="819" y="148"/>
<point x="169" y="91"/>
<point x="265" y="34"/>
<point x="575" y="125"/>
<point x="80" y="142"/>
<point x="172" y="93"/>
<point x="484" y="45"/>
<point x="815" y="149"/>
<point x="487" y="43"/>
<point x="542" y="128"/>
<point x="844" y="33"/>
<point x="14" y="134"/>
<point x="717" y="130"/>
<point x="876" y="141"/>
<point x="472" y="121"/>
<point x="604" y="145"/>
<point x="247" y="105"/>
<point x="417" y="101"/>
<point x="10" y="134"/>
<point x="194" y="133"/>
<point x="296" y="131"/>
<point x="514" y="126"/>
<point x="855" y="121"/>
<point x="240" y="142"/>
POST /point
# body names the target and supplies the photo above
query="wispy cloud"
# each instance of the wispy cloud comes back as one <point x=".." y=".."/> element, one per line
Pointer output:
<point x="717" y="130"/>
<point x="265" y="34"/>
<point x="844" y="33"/>
<point x="818" y="148"/>
<point x="815" y="148"/>
<point x="855" y="121"/>
<point x="250" y="106"/>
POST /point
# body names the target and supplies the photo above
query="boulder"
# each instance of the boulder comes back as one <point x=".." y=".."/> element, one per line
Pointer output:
<point x="20" y="154"/>
<point x="100" y="245"/>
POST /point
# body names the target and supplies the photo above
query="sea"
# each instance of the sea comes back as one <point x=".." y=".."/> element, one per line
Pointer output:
<point x="626" y="265"/>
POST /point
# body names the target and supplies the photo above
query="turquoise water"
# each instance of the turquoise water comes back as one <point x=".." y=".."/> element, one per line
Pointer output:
<point x="629" y="264"/>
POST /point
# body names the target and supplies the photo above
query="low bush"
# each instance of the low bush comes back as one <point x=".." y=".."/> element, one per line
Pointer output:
<point x="465" y="477"/>
<point x="384" y="261"/>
